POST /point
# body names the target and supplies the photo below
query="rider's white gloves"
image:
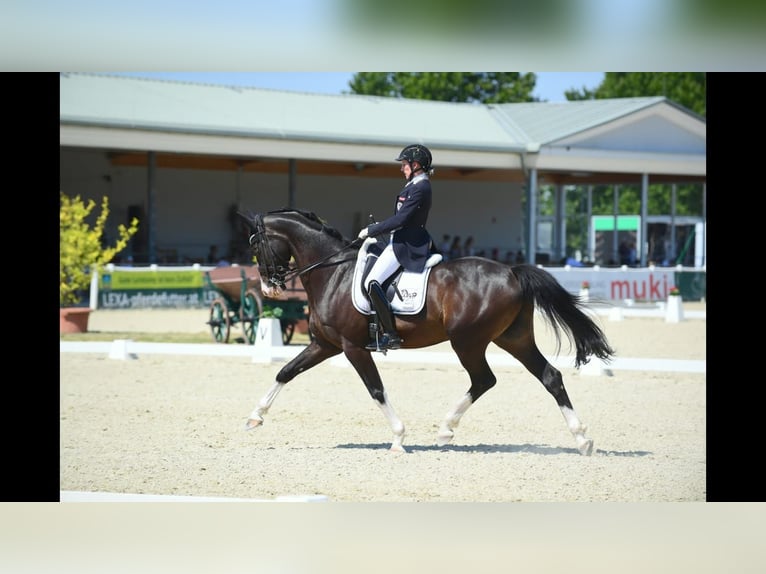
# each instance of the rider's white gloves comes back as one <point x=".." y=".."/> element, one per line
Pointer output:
<point x="367" y="242"/>
<point x="363" y="233"/>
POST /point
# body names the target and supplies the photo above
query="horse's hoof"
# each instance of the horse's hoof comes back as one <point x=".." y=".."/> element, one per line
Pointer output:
<point x="444" y="439"/>
<point x="397" y="449"/>
<point x="253" y="424"/>
<point x="586" y="448"/>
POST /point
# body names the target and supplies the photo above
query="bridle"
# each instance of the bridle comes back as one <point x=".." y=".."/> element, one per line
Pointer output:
<point x="278" y="273"/>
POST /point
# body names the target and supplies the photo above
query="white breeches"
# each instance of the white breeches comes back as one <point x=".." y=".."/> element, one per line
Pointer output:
<point x="383" y="268"/>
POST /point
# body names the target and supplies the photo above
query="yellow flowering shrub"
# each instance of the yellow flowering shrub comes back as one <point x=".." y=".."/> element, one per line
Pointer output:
<point x="81" y="246"/>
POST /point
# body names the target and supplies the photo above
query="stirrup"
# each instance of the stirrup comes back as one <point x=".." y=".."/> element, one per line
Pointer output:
<point x="386" y="342"/>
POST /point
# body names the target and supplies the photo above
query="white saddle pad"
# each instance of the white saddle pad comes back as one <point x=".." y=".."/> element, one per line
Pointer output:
<point x="411" y="286"/>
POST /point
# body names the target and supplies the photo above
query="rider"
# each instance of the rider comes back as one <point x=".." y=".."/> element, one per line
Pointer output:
<point x="409" y="244"/>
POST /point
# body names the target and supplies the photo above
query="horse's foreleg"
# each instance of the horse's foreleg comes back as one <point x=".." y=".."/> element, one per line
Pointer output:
<point x="312" y="355"/>
<point x="365" y="367"/>
<point x="256" y="417"/>
<point x="397" y="426"/>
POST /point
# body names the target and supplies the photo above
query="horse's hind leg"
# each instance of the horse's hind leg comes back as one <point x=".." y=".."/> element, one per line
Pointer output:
<point x="531" y="357"/>
<point x="482" y="379"/>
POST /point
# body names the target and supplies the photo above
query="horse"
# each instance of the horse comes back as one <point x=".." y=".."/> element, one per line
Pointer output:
<point x="470" y="302"/>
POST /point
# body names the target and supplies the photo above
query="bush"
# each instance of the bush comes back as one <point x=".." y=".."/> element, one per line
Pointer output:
<point x="81" y="248"/>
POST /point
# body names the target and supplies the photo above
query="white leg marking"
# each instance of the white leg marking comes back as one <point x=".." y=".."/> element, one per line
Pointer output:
<point x="584" y="444"/>
<point x="396" y="424"/>
<point x="446" y="430"/>
<point x="256" y="417"/>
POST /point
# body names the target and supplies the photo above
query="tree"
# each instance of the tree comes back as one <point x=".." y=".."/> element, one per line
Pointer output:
<point x="686" y="88"/>
<point x="483" y="87"/>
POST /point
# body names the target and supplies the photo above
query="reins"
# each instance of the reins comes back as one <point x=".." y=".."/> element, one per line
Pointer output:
<point x="295" y="272"/>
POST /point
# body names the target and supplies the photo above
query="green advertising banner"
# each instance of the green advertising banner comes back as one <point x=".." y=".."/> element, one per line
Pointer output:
<point x="142" y="288"/>
<point x="151" y="279"/>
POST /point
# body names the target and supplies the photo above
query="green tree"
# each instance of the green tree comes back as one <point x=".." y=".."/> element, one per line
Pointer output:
<point x="483" y="87"/>
<point x="686" y="88"/>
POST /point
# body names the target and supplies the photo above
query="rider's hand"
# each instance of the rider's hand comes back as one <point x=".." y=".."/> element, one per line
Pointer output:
<point x="363" y="233"/>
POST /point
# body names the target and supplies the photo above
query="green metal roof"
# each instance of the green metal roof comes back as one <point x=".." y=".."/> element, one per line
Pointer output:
<point x="127" y="102"/>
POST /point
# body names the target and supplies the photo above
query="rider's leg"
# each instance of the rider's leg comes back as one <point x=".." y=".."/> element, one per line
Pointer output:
<point x="383" y="268"/>
<point x="390" y="339"/>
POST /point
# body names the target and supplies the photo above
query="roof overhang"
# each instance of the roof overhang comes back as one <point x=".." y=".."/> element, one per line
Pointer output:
<point x="598" y="160"/>
<point x="128" y="139"/>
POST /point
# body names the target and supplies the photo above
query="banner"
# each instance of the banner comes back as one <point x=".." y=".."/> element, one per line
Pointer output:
<point x="142" y="288"/>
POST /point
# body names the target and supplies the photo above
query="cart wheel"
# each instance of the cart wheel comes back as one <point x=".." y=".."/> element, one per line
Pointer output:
<point x="249" y="313"/>
<point x="288" y="328"/>
<point x="220" y="323"/>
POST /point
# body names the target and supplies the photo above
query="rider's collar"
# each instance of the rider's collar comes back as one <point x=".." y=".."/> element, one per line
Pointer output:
<point x="417" y="178"/>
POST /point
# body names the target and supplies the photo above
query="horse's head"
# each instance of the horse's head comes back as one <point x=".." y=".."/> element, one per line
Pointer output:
<point x="272" y="256"/>
<point x="285" y="238"/>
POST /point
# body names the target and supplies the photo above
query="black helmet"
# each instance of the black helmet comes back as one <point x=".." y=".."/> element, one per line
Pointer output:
<point x="418" y="153"/>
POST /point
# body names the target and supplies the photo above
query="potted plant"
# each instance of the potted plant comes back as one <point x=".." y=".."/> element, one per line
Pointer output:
<point x="269" y="327"/>
<point x="674" y="312"/>
<point x="585" y="291"/>
<point x="81" y="251"/>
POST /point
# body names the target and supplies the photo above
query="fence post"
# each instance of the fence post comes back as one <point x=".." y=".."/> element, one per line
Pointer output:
<point x="94" y="289"/>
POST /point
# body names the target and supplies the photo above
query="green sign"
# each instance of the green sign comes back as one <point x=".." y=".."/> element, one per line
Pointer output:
<point x="151" y="279"/>
<point x="624" y="222"/>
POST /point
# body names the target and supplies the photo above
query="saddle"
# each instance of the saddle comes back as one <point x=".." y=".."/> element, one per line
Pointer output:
<point x="405" y="290"/>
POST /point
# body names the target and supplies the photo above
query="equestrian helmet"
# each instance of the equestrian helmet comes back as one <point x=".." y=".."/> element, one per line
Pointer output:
<point x="418" y="153"/>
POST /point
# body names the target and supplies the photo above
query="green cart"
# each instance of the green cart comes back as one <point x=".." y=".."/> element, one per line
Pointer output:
<point x="239" y="301"/>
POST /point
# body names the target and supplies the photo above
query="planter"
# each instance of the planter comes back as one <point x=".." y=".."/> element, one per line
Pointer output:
<point x="585" y="294"/>
<point x="73" y="319"/>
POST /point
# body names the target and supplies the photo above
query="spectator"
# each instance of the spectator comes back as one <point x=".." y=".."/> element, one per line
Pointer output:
<point x="468" y="249"/>
<point x="212" y="255"/>
<point x="623" y="251"/>
<point x="455" y="251"/>
<point x="519" y="257"/>
<point x="444" y="246"/>
<point x="213" y="259"/>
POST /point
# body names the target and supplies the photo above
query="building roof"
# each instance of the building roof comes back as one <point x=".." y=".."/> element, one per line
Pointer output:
<point x="118" y="112"/>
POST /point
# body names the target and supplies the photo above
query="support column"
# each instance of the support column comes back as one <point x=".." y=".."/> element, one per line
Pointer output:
<point x="531" y="247"/>
<point x="644" y="243"/>
<point x="151" y="223"/>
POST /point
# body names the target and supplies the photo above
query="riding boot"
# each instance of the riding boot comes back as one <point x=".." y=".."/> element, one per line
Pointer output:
<point x="390" y="339"/>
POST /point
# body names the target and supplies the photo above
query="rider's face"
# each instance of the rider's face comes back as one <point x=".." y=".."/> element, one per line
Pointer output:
<point x="406" y="169"/>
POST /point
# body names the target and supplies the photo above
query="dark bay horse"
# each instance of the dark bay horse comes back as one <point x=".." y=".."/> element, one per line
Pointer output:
<point x="471" y="302"/>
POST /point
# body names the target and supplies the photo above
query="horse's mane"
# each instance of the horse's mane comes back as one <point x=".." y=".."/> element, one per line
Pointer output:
<point x="311" y="216"/>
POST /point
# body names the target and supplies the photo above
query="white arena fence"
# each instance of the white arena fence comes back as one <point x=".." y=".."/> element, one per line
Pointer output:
<point x="119" y="287"/>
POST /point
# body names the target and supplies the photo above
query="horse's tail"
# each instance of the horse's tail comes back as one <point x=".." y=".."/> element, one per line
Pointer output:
<point x="563" y="310"/>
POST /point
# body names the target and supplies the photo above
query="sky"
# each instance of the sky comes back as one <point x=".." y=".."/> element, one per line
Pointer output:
<point x="550" y="86"/>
